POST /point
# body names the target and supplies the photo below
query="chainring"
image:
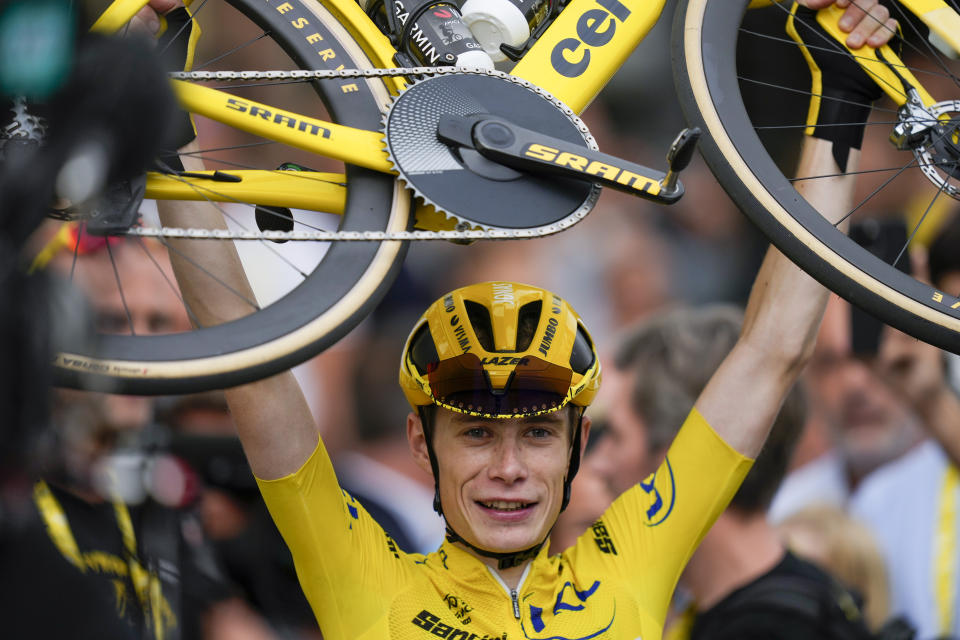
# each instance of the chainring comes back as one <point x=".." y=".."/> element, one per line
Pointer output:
<point x="462" y="185"/>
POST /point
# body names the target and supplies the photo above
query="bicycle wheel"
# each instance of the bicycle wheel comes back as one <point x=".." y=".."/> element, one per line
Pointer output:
<point x="327" y="297"/>
<point x="729" y="87"/>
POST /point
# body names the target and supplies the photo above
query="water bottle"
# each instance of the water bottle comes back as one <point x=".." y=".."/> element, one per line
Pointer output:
<point x="439" y="36"/>
<point x="496" y="22"/>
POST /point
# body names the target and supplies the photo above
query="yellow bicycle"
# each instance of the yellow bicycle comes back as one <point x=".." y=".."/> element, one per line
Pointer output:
<point x="395" y="131"/>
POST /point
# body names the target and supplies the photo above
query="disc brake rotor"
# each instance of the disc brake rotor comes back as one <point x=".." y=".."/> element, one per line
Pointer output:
<point x="466" y="186"/>
<point x="939" y="158"/>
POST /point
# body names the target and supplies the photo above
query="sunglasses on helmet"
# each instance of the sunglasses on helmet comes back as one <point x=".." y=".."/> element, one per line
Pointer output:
<point x="534" y="386"/>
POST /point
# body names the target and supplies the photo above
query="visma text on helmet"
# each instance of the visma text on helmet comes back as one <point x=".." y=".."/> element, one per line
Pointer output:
<point x="460" y="333"/>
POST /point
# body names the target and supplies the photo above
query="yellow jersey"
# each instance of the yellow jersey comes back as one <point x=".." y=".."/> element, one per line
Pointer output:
<point x="615" y="582"/>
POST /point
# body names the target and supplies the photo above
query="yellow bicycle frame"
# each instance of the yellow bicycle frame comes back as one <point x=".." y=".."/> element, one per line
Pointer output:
<point x="574" y="58"/>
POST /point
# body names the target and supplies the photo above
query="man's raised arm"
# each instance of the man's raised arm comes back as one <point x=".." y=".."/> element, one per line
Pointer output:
<point x="273" y="420"/>
<point x="786" y="305"/>
<point x="780" y="326"/>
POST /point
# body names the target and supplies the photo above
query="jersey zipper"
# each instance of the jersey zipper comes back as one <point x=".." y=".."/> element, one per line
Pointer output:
<point x="513" y="593"/>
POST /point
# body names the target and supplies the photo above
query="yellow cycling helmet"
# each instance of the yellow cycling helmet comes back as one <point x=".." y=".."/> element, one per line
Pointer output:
<point x="500" y="350"/>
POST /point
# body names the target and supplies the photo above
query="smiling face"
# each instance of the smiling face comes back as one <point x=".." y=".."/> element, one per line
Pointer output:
<point x="501" y="481"/>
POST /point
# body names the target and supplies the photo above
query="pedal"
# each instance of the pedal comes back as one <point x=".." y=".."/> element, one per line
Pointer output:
<point x="678" y="157"/>
<point x="118" y="208"/>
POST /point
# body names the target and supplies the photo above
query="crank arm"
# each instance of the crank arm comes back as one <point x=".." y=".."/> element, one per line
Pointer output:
<point x="535" y="152"/>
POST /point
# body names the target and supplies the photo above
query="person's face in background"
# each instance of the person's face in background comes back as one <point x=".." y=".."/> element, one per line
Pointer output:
<point x="589" y="498"/>
<point x="144" y="302"/>
<point x="622" y="455"/>
<point x="92" y="424"/>
<point x="869" y="424"/>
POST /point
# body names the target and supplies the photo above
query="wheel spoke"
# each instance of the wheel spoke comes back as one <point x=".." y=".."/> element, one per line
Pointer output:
<point x="173" y="287"/>
<point x="123" y="298"/>
<point x="916" y="227"/>
<point x="225" y="54"/>
<point x="266" y="243"/>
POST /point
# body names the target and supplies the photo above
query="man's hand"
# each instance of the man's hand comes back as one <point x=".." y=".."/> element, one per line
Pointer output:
<point x="918" y="371"/>
<point x="912" y="367"/>
<point x="842" y="93"/>
<point x="867" y="21"/>
<point x="147" y="21"/>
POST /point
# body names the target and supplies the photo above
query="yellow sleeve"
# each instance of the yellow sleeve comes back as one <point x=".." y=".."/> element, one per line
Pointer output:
<point x="649" y="533"/>
<point x="349" y="569"/>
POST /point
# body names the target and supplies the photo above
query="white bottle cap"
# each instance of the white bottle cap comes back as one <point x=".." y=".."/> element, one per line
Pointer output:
<point x="475" y="59"/>
<point x="496" y="22"/>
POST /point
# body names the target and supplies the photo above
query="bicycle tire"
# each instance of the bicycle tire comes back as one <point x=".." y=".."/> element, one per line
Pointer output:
<point x="346" y="284"/>
<point x="706" y="70"/>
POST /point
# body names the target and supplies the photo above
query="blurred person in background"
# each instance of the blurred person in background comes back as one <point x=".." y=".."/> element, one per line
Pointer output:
<point x="76" y="559"/>
<point x="662" y="365"/>
<point x="589" y="496"/>
<point x="912" y="503"/>
<point x="649" y="387"/>
<point x="97" y="540"/>
<point x="943" y="265"/>
<point x="828" y="537"/>
<point x="256" y="562"/>
<point x="868" y="423"/>
<point x="859" y="422"/>
<point x="377" y="469"/>
<point x="894" y="421"/>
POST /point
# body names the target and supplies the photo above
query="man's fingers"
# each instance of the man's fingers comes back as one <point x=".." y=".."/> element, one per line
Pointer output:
<point x="163" y="6"/>
<point x="855" y="13"/>
<point x="883" y="34"/>
<point x="145" y="22"/>
<point x="820" y="4"/>
<point x="868" y="22"/>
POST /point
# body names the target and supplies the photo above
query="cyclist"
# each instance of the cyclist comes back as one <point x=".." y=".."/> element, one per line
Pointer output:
<point x="499" y="376"/>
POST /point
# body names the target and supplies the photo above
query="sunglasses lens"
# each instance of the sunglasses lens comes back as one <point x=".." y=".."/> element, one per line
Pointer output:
<point x="535" y="386"/>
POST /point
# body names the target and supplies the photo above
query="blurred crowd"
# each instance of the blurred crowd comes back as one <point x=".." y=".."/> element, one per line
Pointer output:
<point x="869" y="491"/>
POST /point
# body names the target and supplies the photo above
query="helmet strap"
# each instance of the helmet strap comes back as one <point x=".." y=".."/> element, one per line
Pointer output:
<point x="505" y="560"/>
<point x="428" y="434"/>
<point x="574" y="460"/>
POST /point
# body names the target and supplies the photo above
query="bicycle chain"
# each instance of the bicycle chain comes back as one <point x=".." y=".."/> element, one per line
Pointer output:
<point x="328" y="74"/>
<point x="362" y="236"/>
